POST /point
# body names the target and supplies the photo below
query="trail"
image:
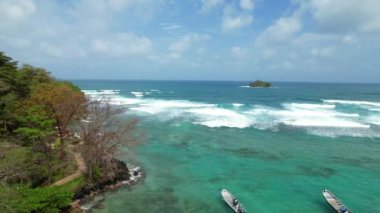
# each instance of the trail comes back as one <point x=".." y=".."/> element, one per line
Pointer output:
<point x="81" y="169"/>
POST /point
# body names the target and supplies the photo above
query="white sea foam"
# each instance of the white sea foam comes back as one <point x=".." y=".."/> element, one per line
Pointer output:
<point x="137" y="94"/>
<point x="311" y="106"/>
<point x="109" y="91"/>
<point x="101" y="92"/>
<point x="349" y="102"/>
<point x="358" y="132"/>
<point x="154" y="106"/>
<point x="122" y="101"/>
<point x="374" y="109"/>
<point x="199" y="113"/>
<point x="175" y="104"/>
<point x="218" y="117"/>
<point x="245" y="86"/>
<point x="323" y="119"/>
<point x="374" y="119"/>
<point x="307" y="115"/>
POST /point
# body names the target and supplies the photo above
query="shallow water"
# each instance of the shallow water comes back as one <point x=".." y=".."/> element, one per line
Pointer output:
<point x="274" y="149"/>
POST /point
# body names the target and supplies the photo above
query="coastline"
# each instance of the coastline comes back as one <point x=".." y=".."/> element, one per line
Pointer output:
<point x="90" y="195"/>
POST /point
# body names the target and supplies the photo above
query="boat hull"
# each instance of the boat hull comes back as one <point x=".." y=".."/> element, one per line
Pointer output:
<point x="229" y="198"/>
<point x="334" y="202"/>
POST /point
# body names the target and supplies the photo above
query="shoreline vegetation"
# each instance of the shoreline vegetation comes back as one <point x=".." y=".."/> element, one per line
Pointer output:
<point x="260" y="84"/>
<point x="57" y="147"/>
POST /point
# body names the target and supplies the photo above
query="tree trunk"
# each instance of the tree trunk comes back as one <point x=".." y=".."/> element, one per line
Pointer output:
<point x="61" y="146"/>
<point x="50" y="164"/>
<point x="49" y="175"/>
<point x="89" y="171"/>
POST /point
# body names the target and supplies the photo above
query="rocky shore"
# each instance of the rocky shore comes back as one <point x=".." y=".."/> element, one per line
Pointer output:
<point x="90" y="195"/>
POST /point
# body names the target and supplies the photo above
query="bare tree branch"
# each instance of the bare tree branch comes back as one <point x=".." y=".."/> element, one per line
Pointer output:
<point x="104" y="135"/>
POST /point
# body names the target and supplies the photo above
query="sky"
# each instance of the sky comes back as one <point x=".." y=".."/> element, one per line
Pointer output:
<point x="275" y="40"/>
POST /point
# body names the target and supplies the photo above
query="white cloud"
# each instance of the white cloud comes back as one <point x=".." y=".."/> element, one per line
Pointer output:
<point x="322" y="51"/>
<point x="239" y="52"/>
<point x="77" y="29"/>
<point x="17" y="9"/>
<point x="171" y="27"/>
<point x="231" y="23"/>
<point x="185" y="42"/>
<point x="342" y="16"/>
<point x="207" y="5"/>
<point x="267" y="54"/>
<point x="282" y="30"/>
<point x="51" y="49"/>
<point x="247" y="5"/>
<point x="349" y="39"/>
<point x="234" y="19"/>
<point x="122" y="44"/>
<point x="66" y="35"/>
<point x="17" y="42"/>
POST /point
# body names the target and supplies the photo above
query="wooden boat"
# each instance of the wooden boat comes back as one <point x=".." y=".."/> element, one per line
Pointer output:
<point x="335" y="202"/>
<point x="232" y="202"/>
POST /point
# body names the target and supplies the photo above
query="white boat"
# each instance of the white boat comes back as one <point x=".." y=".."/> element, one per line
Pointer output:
<point x="232" y="202"/>
<point x="335" y="202"/>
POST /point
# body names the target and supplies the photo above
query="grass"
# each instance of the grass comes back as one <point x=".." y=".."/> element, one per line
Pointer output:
<point x="73" y="185"/>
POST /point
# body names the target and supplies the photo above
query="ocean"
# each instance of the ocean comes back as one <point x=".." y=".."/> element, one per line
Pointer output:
<point x="275" y="148"/>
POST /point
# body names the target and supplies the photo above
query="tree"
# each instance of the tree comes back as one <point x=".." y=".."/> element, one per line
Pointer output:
<point x="35" y="123"/>
<point x="8" y="75"/>
<point x="22" y="198"/>
<point x="16" y="85"/>
<point x="103" y="136"/>
<point x="63" y="104"/>
<point x="259" y="83"/>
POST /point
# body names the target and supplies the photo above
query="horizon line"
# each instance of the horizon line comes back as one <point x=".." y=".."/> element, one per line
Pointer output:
<point x="212" y="80"/>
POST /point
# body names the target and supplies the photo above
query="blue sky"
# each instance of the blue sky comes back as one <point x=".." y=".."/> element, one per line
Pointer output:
<point x="276" y="40"/>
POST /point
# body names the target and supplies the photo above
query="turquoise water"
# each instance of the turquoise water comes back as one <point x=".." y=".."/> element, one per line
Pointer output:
<point x="274" y="149"/>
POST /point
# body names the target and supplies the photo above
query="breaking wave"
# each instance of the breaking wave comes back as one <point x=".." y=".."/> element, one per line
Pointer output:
<point x="101" y="92"/>
<point x="324" y="119"/>
<point x="137" y="94"/>
<point x="348" y="102"/>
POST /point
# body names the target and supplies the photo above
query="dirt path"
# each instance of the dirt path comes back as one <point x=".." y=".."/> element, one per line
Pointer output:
<point x="81" y="169"/>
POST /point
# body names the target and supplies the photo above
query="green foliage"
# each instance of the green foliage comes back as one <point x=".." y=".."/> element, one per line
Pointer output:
<point x="96" y="172"/>
<point x="22" y="198"/>
<point x="34" y="123"/>
<point x="22" y="165"/>
<point x="16" y="84"/>
<point x="259" y="83"/>
<point x="73" y="185"/>
<point x="34" y="76"/>
<point x="34" y="109"/>
<point x="8" y="103"/>
<point x="8" y="74"/>
<point x="12" y="165"/>
<point x="56" y="143"/>
<point x="71" y="85"/>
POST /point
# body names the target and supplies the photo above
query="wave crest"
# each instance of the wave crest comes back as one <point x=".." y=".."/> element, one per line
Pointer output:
<point x="316" y="118"/>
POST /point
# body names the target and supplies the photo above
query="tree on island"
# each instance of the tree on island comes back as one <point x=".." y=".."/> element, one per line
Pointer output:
<point x="259" y="83"/>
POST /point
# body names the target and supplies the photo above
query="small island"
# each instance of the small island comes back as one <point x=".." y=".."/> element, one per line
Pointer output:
<point x="260" y="84"/>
